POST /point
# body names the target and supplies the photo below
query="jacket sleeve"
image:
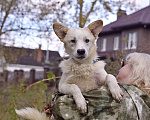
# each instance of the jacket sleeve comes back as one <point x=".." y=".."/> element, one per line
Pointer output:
<point x="140" y="100"/>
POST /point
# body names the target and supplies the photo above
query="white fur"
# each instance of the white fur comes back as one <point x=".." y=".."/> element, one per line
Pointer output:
<point x="83" y="75"/>
<point x="32" y="114"/>
<point x="80" y="34"/>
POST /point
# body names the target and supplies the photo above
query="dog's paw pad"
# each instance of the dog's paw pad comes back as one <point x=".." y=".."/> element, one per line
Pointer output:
<point x="82" y="106"/>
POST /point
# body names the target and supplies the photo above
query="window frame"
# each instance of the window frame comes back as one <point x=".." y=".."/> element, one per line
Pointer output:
<point x="103" y="45"/>
<point x="116" y="43"/>
<point x="132" y="41"/>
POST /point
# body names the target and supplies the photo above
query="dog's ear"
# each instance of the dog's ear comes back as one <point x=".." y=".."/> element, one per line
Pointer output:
<point x="96" y="27"/>
<point x="60" y="30"/>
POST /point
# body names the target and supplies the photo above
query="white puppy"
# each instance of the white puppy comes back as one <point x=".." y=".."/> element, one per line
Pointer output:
<point x="81" y="72"/>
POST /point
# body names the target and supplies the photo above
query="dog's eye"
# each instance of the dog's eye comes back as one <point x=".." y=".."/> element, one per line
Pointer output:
<point x="87" y="40"/>
<point x="73" y="41"/>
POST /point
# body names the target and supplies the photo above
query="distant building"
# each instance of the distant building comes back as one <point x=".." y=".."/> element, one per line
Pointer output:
<point x="128" y="33"/>
<point x="26" y="59"/>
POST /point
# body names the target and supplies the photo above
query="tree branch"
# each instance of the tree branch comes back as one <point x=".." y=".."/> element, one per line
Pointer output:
<point x="85" y="19"/>
<point x="80" y="18"/>
<point x="19" y="29"/>
<point x="7" y="13"/>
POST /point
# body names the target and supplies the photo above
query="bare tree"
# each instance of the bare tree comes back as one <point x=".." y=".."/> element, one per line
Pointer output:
<point x="28" y="17"/>
<point x="20" y="19"/>
<point x="35" y="17"/>
<point x="83" y="11"/>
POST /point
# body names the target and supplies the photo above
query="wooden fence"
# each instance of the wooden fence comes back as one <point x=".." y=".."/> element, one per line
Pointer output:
<point x="29" y="76"/>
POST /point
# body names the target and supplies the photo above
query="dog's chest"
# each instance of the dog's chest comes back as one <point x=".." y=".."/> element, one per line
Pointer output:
<point x="83" y="75"/>
<point x="83" y="70"/>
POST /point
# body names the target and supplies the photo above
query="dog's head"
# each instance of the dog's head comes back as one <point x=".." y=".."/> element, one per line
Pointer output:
<point x="79" y="42"/>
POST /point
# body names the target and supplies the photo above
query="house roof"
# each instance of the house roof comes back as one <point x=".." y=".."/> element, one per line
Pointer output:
<point x="141" y="17"/>
<point x="24" y="56"/>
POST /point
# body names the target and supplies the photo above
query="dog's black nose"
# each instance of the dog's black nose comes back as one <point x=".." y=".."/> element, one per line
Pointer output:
<point x="81" y="51"/>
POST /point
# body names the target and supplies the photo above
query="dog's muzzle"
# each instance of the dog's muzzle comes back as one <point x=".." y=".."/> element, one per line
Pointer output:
<point x="81" y="53"/>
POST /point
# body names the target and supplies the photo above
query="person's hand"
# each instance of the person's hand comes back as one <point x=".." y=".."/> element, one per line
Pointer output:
<point x="47" y="109"/>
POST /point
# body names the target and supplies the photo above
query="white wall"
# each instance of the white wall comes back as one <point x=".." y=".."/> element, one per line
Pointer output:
<point x="12" y="67"/>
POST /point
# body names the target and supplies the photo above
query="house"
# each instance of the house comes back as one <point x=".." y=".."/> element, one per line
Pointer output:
<point x="26" y="59"/>
<point x="31" y="64"/>
<point x="129" y="33"/>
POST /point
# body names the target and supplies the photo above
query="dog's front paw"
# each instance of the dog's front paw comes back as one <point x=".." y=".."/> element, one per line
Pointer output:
<point x="116" y="92"/>
<point x="81" y="105"/>
<point x="114" y="87"/>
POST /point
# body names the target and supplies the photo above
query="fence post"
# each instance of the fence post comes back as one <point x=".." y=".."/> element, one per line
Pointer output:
<point x="32" y="76"/>
<point x="5" y="76"/>
<point x="46" y="69"/>
<point x="21" y="74"/>
<point x="15" y="78"/>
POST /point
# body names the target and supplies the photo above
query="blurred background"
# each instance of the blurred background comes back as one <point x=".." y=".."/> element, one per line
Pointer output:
<point x="29" y="48"/>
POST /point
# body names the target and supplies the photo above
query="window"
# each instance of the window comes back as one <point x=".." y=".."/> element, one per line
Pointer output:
<point x="125" y="39"/>
<point x="116" y="43"/>
<point x="132" y="41"/>
<point x="103" y="44"/>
